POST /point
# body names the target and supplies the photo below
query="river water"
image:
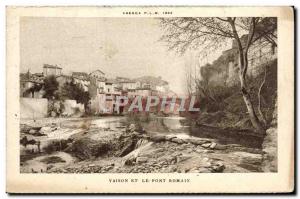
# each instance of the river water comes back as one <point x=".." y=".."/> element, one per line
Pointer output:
<point x="178" y="126"/>
<point x="166" y="125"/>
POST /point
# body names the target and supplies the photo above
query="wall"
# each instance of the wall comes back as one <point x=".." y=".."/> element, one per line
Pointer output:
<point x="98" y="104"/>
<point x="71" y="107"/>
<point x="143" y="92"/>
<point x="224" y="70"/>
<point x="33" y="107"/>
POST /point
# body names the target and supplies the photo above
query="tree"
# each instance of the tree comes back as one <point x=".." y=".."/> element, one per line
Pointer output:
<point x="71" y="90"/>
<point x="51" y="87"/>
<point x="210" y="33"/>
<point x="34" y="88"/>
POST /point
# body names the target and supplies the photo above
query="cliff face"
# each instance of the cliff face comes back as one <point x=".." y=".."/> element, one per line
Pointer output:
<point x="224" y="70"/>
<point x="220" y="89"/>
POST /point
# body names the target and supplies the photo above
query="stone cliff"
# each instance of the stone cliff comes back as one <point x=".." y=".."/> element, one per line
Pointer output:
<point x="224" y="70"/>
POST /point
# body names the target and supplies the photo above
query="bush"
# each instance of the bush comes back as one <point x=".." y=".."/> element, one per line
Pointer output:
<point x="51" y="87"/>
<point x="71" y="90"/>
<point x="230" y="99"/>
<point x="57" y="145"/>
<point x="87" y="148"/>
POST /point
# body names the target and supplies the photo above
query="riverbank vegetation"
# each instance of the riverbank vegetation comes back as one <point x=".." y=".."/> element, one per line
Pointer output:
<point x="223" y="106"/>
<point x="207" y="35"/>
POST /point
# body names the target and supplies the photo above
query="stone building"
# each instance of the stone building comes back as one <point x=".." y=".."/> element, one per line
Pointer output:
<point x="51" y="70"/>
<point x="81" y="79"/>
<point x="31" y="85"/>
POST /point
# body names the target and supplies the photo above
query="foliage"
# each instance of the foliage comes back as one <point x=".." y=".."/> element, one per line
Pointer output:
<point x="86" y="148"/>
<point x="51" y="87"/>
<point x="225" y="106"/>
<point x="55" y="106"/>
<point x="34" y="88"/>
<point x="57" y="145"/>
<point x="210" y="33"/>
<point x="71" y="90"/>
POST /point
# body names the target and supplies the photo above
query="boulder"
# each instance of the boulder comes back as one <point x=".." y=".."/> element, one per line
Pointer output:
<point x="204" y="170"/>
<point x="169" y="137"/>
<point x="217" y="167"/>
<point x="206" y="145"/>
<point x="178" y="140"/>
<point x="131" y="128"/>
<point x="220" y="147"/>
<point x="141" y="142"/>
<point x="197" y="141"/>
<point x="45" y="129"/>
<point x="248" y="156"/>
<point x="158" y="138"/>
<point x="269" y="146"/>
<point x="128" y="146"/>
<point x="182" y="158"/>
<point x="199" y="150"/>
<point x="32" y="131"/>
<point x="213" y="145"/>
<point x="53" y="114"/>
<point x="24" y="128"/>
<point x="141" y="159"/>
<point x="129" y="161"/>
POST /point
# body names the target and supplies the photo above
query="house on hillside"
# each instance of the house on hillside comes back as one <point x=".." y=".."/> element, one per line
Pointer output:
<point x="97" y="82"/>
<point x="145" y="92"/>
<point x="130" y="85"/>
<point x="98" y="74"/>
<point x="104" y="92"/>
<point x="51" y="70"/>
<point x="162" y="87"/>
<point x="154" y="83"/>
<point x="31" y="85"/>
<point x="82" y="79"/>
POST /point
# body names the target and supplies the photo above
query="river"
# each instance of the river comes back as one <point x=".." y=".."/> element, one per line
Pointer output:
<point x="178" y="126"/>
<point x="236" y="159"/>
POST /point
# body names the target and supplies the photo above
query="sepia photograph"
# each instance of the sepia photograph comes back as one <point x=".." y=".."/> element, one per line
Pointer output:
<point x="147" y="92"/>
<point x="77" y="75"/>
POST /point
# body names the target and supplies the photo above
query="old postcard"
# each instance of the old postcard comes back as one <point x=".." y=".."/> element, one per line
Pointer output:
<point x="150" y="99"/>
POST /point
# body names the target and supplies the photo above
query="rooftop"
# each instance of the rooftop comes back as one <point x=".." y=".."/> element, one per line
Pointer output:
<point x="98" y="71"/>
<point x="80" y="75"/>
<point x="51" y="66"/>
<point x="28" y="77"/>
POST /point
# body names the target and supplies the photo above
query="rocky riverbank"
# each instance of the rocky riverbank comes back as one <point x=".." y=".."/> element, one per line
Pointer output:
<point x="269" y="146"/>
<point x="128" y="150"/>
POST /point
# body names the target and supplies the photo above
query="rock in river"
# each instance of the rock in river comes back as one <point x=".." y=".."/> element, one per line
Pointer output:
<point x="206" y="145"/>
<point x="157" y="138"/>
<point x="217" y="167"/>
<point x="141" y="159"/>
<point x="32" y="131"/>
<point x="177" y="140"/>
<point x="213" y="145"/>
<point x="196" y="141"/>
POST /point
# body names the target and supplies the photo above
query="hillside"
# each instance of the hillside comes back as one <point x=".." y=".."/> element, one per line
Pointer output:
<point x="224" y="106"/>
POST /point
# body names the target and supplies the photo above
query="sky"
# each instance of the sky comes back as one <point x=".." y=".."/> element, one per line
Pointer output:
<point x="127" y="47"/>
